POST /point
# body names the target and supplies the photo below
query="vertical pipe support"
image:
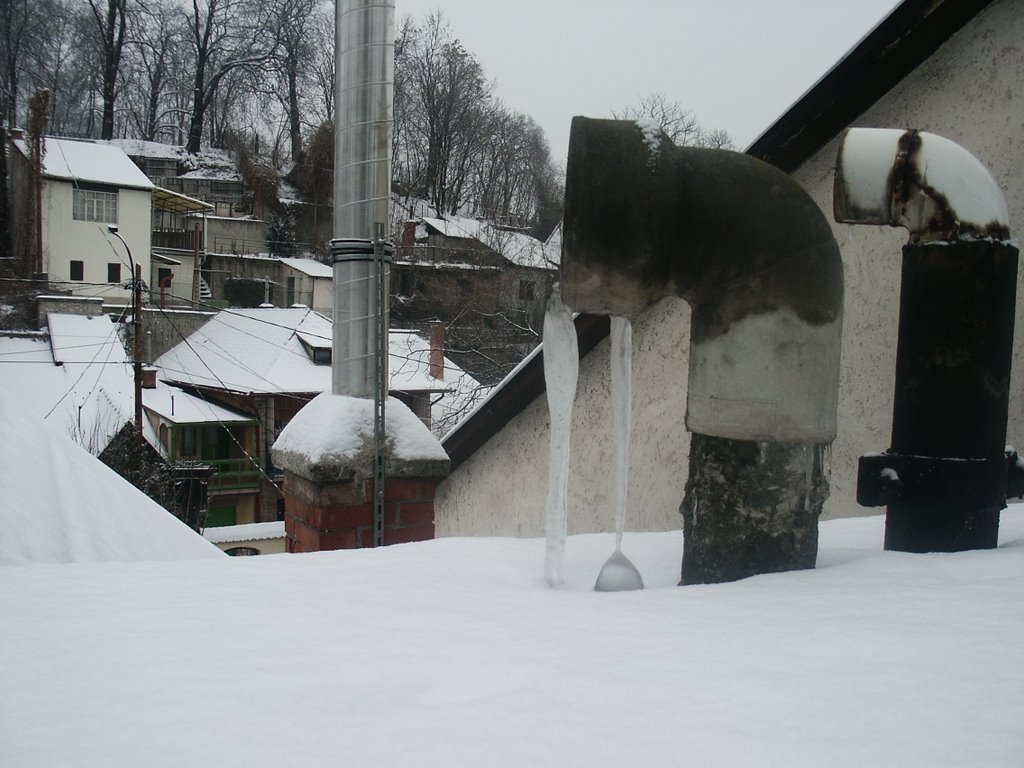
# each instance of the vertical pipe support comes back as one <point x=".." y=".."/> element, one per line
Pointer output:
<point x="945" y="477"/>
<point x="752" y="254"/>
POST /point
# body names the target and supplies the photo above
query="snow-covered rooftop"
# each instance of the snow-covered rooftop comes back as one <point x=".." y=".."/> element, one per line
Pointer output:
<point x="873" y="659"/>
<point x="79" y="378"/>
<point x="311" y="267"/>
<point x="246" y="532"/>
<point x="61" y="505"/>
<point x="87" y="161"/>
<point x="518" y="247"/>
<point x="251" y="351"/>
<point x="261" y="351"/>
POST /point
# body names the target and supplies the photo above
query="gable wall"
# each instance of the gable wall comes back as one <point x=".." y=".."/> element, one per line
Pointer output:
<point x="66" y="239"/>
<point x="969" y="92"/>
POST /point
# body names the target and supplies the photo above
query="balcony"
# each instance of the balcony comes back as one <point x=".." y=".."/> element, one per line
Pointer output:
<point x="234" y="475"/>
<point x="179" y="239"/>
<point x="223" y="475"/>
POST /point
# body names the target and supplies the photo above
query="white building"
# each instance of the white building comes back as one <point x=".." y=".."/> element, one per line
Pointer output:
<point x="86" y="189"/>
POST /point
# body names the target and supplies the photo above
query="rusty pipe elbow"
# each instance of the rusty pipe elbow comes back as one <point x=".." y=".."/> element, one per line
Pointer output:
<point x="742" y="242"/>
<point x="926" y="183"/>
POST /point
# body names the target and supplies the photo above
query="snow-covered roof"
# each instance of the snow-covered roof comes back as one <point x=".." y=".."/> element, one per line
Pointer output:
<point x="209" y="163"/>
<point x="251" y="351"/>
<point x="311" y="267"/>
<point x="82" y="384"/>
<point x="149" y="149"/>
<point x="518" y="247"/>
<point x="223" y="534"/>
<point x="873" y="659"/>
<point x="179" y="407"/>
<point x="79" y="379"/>
<point x="61" y="505"/>
<point x="410" y="372"/>
<point x="262" y="351"/>
<point x="87" y="161"/>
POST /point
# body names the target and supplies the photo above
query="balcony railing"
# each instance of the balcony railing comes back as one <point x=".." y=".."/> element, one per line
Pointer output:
<point x="228" y="475"/>
<point x="234" y="475"/>
<point x="180" y="239"/>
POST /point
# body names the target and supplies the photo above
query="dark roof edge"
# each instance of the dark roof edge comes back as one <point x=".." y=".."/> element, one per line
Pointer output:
<point x="516" y="392"/>
<point x="888" y="53"/>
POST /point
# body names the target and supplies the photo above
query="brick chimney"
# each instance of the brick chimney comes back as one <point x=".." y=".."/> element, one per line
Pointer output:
<point x="149" y="378"/>
<point x="437" y="350"/>
<point x="408" y="240"/>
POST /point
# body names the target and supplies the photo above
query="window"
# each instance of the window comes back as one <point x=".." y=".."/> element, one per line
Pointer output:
<point x="188" y="441"/>
<point x="525" y="290"/>
<point x="77" y="270"/>
<point x="289" y="296"/>
<point x="113" y="273"/>
<point x="95" y="204"/>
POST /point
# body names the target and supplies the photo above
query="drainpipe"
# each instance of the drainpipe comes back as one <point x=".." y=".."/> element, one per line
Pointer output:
<point x="945" y="478"/>
<point x="752" y="254"/>
<point x="165" y="284"/>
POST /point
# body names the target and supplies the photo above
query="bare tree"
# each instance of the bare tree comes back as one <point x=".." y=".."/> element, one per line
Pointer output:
<point x="293" y="64"/>
<point x="22" y="27"/>
<point x="109" y="26"/>
<point x="225" y="35"/>
<point x="62" y="68"/>
<point x="441" y="120"/>
<point x="154" y="59"/>
<point x="679" y="124"/>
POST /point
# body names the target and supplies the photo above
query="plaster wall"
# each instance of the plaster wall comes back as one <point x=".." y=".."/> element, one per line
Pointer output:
<point x="66" y="239"/>
<point x="968" y="91"/>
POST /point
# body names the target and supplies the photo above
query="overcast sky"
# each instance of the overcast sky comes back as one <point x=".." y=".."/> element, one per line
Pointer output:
<point x="738" y="64"/>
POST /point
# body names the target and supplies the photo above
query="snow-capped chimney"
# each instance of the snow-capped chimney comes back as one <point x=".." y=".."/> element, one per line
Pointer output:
<point x="149" y="378"/>
<point x="437" y="351"/>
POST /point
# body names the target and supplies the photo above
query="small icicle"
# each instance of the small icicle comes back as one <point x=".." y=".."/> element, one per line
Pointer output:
<point x="808" y="476"/>
<point x="618" y="573"/>
<point x="762" y="455"/>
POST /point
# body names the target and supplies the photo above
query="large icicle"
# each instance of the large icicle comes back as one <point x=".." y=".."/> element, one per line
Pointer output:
<point x="561" y="370"/>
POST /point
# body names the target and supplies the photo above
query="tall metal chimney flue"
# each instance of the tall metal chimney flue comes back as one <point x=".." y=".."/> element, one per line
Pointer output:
<point x="364" y="35"/>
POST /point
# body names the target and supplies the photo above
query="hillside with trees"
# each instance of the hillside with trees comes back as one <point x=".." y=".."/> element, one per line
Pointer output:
<point x="256" y="77"/>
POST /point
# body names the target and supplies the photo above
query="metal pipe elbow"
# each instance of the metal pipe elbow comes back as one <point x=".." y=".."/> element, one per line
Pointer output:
<point x="747" y="248"/>
<point x="926" y="183"/>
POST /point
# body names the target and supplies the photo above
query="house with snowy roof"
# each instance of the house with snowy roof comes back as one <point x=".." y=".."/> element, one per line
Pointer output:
<point x="285" y="280"/>
<point x="488" y="284"/>
<point x="269" y="362"/>
<point x="86" y="190"/>
<point x="76" y="377"/>
<point x="947" y="67"/>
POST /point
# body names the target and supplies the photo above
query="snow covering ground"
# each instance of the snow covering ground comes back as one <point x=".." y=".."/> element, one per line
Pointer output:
<point x="454" y="653"/>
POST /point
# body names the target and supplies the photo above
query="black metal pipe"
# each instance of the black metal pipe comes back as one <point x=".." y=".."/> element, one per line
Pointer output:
<point x="944" y="478"/>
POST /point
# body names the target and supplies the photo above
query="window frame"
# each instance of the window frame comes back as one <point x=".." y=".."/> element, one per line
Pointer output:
<point x="76" y="266"/>
<point x="95" y="202"/>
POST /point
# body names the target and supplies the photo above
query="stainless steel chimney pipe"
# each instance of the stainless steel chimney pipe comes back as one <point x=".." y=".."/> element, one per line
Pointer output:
<point x="364" y="36"/>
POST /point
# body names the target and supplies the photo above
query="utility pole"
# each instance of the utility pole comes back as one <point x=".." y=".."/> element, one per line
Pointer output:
<point x="137" y="352"/>
<point x="136" y="326"/>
